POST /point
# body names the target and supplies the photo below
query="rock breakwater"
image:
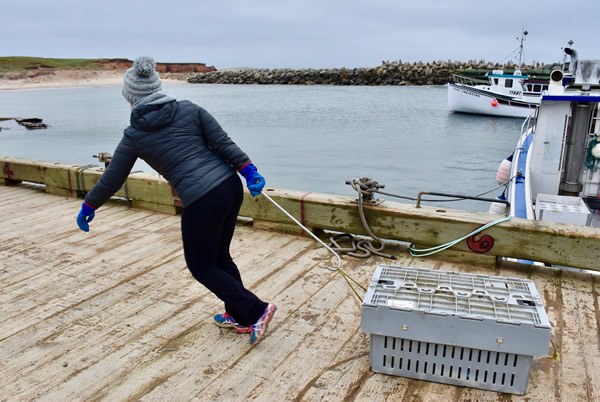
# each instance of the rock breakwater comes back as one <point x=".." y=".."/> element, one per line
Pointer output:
<point x="388" y="73"/>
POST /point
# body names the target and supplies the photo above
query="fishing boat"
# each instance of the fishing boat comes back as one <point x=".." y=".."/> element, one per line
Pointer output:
<point x="553" y="173"/>
<point x="501" y="94"/>
<point x="506" y="95"/>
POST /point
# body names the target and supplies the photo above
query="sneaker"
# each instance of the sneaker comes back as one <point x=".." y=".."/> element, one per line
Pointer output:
<point x="226" y="321"/>
<point x="258" y="330"/>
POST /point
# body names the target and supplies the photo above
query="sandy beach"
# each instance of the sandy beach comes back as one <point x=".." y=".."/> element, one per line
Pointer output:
<point x="62" y="78"/>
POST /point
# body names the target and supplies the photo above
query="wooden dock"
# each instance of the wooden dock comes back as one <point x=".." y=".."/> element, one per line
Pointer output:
<point x="114" y="315"/>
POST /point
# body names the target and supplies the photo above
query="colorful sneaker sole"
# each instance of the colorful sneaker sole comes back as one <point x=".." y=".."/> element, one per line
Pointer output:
<point x="229" y="324"/>
<point x="258" y="330"/>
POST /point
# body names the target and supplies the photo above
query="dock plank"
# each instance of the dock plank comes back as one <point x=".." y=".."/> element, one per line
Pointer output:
<point x="115" y="315"/>
<point x="42" y="296"/>
<point x="579" y="338"/>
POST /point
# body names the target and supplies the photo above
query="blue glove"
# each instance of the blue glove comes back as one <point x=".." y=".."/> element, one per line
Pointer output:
<point x="85" y="216"/>
<point x="254" y="181"/>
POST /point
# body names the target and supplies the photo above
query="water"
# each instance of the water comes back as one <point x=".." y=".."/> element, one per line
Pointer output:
<point x="308" y="138"/>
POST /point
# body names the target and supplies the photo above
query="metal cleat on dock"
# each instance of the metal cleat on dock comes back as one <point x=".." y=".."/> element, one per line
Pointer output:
<point x="103" y="157"/>
<point x="366" y="187"/>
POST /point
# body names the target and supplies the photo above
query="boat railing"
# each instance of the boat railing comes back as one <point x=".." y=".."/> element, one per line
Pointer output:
<point x="529" y="122"/>
<point x="461" y="79"/>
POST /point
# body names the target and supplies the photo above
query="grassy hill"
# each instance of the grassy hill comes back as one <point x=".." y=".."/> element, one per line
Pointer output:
<point x="18" y="63"/>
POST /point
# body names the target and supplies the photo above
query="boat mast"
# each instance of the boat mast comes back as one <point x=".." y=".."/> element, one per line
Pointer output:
<point x="523" y="35"/>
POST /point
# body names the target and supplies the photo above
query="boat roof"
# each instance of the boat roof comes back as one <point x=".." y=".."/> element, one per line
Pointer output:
<point x="506" y="76"/>
<point x="114" y="314"/>
<point x="572" y="98"/>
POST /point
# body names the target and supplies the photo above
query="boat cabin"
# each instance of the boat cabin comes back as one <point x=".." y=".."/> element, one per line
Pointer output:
<point x="535" y="87"/>
<point x="507" y="84"/>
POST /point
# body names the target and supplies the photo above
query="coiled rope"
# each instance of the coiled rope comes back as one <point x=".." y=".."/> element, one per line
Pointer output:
<point x="362" y="248"/>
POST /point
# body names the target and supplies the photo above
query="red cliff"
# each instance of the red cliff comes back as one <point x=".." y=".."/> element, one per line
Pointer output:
<point x="123" y="64"/>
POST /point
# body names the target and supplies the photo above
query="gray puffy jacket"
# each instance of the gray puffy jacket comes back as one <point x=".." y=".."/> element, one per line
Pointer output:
<point x="179" y="140"/>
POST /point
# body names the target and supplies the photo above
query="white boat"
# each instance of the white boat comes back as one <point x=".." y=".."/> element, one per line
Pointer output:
<point x="554" y="172"/>
<point x="507" y="95"/>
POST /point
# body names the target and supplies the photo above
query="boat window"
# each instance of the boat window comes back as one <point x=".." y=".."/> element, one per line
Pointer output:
<point x="537" y="88"/>
<point x="508" y="83"/>
<point x="529" y="87"/>
<point x="495" y="81"/>
<point x="544" y="87"/>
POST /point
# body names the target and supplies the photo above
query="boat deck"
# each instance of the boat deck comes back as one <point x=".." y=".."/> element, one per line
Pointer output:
<point x="114" y="315"/>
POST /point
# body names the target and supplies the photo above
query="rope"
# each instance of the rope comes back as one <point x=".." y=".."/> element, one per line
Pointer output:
<point x="592" y="162"/>
<point x="79" y="178"/>
<point x="433" y="250"/>
<point x="126" y="188"/>
<point x="364" y="248"/>
<point x="339" y="269"/>
<point x="357" y="249"/>
<point x="555" y="353"/>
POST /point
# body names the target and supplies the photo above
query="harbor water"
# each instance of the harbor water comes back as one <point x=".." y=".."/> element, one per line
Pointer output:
<point x="307" y="138"/>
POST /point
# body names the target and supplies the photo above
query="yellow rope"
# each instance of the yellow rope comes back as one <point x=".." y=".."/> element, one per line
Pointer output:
<point x="555" y="354"/>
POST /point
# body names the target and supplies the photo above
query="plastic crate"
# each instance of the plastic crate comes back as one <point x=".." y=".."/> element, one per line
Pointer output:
<point x="562" y="209"/>
<point x="464" y="329"/>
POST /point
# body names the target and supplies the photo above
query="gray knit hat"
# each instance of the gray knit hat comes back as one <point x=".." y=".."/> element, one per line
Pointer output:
<point x="141" y="80"/>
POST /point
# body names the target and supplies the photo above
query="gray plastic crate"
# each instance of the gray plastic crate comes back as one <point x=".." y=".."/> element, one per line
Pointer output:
<point x="464" y="329"/>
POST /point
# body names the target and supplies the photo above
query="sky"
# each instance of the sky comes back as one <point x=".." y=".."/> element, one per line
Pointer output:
<point x="299" y="34"/>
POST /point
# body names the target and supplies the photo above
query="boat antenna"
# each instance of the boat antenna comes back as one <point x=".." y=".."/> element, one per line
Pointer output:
<point x="523" y="35"/>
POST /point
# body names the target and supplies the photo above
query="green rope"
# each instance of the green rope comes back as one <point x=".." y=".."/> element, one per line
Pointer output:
<point x="590" y="161"/>
<point x="430" y="251"/>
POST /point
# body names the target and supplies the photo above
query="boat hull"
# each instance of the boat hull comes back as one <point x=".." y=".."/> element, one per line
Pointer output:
<point x="466" y="99"/>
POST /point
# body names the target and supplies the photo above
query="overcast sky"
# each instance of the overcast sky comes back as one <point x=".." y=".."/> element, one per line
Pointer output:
<point x="307" y="33"/>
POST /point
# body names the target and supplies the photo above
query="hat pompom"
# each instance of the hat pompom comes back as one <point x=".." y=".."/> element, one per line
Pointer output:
<point x="144" y="66"/>
<point x="141" y="80"/>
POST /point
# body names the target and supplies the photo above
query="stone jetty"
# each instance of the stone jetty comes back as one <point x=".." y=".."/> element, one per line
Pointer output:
<point x="388" y="73"/>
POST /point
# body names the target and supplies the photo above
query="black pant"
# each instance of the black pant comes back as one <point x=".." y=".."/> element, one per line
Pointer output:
<point x="207" y="228"/>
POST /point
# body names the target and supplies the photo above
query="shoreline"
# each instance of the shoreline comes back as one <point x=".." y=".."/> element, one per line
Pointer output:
<point x="64" y="79"/>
